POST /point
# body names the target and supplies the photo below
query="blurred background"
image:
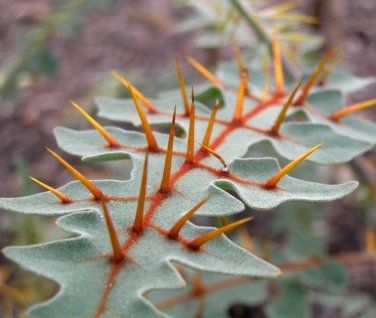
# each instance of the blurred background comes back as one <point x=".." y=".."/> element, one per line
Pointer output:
<point x="53" y="51"/>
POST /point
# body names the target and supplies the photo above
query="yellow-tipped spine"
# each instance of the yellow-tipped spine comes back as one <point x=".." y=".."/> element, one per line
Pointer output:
<point x="97" y="193"/>
<point x="278" y="67"/>
<point x="238" y="57"/>
<point x="240" y="101"/>
<point x="116" y="248"/>
<point x="139" y="218"/>
<point x="204" y="71"/>
<point x="217" y="156"/>
<point x="152" y="143"/>
<point x="165" y="183"/>
<point x="191" y="136"/>
<point x="175" y="230"/>
<point x="182" y="86"/>
<point x="273" y="181"/>
<point x="201" y="240"/>
<point x="105" y="134"/>
<point x="312" y="79"/>
<point x="329" y="70"/>
<point x="209" y="128"/>
<point x="277" y="125"/>
<point x="148" y="104"/>
<point x="353" y="108"/>
<point x="63" y="198"/>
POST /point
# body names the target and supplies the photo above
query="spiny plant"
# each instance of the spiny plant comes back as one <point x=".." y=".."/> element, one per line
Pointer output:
<point x="128" y="234"/>
<point x="220" y="21"/>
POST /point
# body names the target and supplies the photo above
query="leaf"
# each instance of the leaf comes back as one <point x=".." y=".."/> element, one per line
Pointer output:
<point x="116" y="289"/>
<point x="291" y="301"/>
<point x="327" y="102"/>
<point x="330" y="275"/>
<point x="245" y="178"/>
<point x="219" y="293"/>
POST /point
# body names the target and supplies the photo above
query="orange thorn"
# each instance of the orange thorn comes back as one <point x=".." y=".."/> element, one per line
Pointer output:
<point x="139" y="218"/>
<point x="278" y="67"/>
<point x="224" y="220"/>
<point x="139" y="95"/>
<point x="111" y="140"/>
<point x="311" y="81"/>
<point x="275" y="128"/>
<point x="240" y="101"/>
<point x="198" y="242"/>
<point x="152" y="143"/>
<point x="204" y="71"/>
<point x="209" y="128"/>
<point x="329" y="70"/>
<point x="273" y="181"/>
<point x="98" y="194"/>
<point x="353" y="108"/>
<point x="165" y="183"/>
<point x="64" y="199"/>
<point x="238" y="57"/>
<point x="191" y="136"/>
<point x="370" y="240"/>
<point x="182" y="86"/>
<point x="118" y="255"/>
<point x="175" y="230"/>
<point x="246" y="240"/>
<point x="218" y="156"/>
<point x="265" y="89"/>
<point x="197" y="286"/>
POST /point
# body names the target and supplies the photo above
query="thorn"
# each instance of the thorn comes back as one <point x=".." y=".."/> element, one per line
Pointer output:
<point x="218" y="156"/>
<point x="117" y="254"/>
<point x="240" y="101"/>
<point x="182" y="86"/>
<point x="209" y="128"/>
<point x="165" y="184"/>
<point x="246" y="239"/>
<point x="266" y="67"/>
<point x="64" y="199"/>
<point x="175" y="230"/>
<point x="311" y="81"/>
<point x="139" y="218"/>
<point x="204" y="71"/>
<point x="199" y="241"/>
<point x="139" y="95"/>
<point x="191" y="136"/>
<point x="266" y="88"/>
<point x="238" y="57"/>
<point x="224" y="220"/>
<point x="353" y="108"/>
<point x="197" y="286"/>
<point x="98" y="194"/>
<point x="370" y="240"/>
<point x="152" y="143"/>
<point x="273" y="181"/>
<point x="275" y="128"/>
<point x="329" y="70"/>
<point x="278" y="68"/>
<point x="106" y="135"/>
<point x="265" y="248"/>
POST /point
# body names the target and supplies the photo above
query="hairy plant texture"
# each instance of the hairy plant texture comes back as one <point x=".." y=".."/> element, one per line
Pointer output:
<point x="130" y="233"/>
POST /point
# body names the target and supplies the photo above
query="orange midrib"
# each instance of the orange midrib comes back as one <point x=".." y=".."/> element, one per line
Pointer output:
<point x="159" y="198"/>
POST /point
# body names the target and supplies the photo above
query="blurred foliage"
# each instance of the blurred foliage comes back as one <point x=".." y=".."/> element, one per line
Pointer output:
<point x="35" y="56"/>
